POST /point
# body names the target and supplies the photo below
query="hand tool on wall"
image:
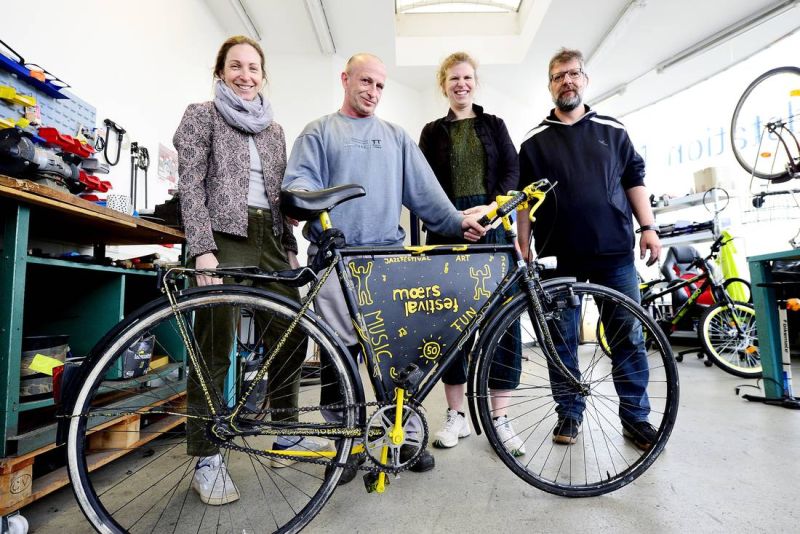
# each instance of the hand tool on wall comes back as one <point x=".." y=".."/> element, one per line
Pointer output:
<point x="111" y="125"/>
<point x="140" y="159"/>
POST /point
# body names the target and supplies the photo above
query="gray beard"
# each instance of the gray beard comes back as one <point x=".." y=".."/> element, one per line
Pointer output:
<point x="567" y="104"/>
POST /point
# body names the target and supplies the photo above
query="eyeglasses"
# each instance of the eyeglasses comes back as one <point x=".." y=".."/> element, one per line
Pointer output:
<point x="573" y="75"/>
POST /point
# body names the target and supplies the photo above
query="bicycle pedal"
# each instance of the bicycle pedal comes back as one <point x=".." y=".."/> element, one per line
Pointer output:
<point x="409" y="378"/>
<point x="371" y="482"/>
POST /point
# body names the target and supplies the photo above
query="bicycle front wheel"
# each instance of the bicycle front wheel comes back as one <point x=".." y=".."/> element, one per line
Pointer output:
<point x="136" y="405"/>
<point x="523" y="395"/>
<point x="729" y="337"/>
<point x="738" y="289"/>
<point x="766" y="154"/>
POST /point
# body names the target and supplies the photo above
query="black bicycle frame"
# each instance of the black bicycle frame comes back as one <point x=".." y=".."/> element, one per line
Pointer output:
<point x="708" y="281"/>
<point x="518" y="273"/>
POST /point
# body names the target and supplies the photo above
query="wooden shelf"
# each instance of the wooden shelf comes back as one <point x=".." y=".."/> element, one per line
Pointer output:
<point x="44" y="296"/>
<point x="19" y="473"/>
<point x="70" y="218"/>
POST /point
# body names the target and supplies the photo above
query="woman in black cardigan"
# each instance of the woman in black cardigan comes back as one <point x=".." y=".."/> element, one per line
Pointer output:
<point x="474" y="160"/>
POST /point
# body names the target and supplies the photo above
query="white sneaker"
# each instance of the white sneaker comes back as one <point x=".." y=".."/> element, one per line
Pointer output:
<point x="508" y="437"/>
<point x="212" y="481"/>
<point x="302" y="445"/>
<point x="455" y="426"/>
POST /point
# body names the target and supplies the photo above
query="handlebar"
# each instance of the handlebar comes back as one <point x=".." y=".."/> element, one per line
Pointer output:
<point x="717" y="245"/>
<point x="518" y="200"/>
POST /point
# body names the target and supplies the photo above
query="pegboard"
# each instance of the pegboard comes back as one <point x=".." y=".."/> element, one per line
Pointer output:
<point x="66" y="114"/>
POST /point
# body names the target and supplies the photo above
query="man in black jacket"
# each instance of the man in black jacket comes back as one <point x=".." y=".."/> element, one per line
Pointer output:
<point x="586" y="223"/>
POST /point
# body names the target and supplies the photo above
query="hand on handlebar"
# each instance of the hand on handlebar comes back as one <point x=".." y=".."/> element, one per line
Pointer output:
<point x="473" y="230"/>
<point x="203" y="262"/>
<point x="480" y="211"/>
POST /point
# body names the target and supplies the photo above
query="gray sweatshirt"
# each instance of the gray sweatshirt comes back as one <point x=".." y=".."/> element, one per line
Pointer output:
<point x="381" y="157"/>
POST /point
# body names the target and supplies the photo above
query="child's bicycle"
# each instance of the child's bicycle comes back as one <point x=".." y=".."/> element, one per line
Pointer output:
<point x="726" y="329"/>
<point x="515" y="372"/>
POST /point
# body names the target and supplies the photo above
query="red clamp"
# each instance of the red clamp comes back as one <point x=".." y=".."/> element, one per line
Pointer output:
<point x="67" y="143"/>
<point x="91" y="182"/>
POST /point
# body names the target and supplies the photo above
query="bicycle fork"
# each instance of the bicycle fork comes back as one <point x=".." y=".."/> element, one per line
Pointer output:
<point x="539" y="322"/>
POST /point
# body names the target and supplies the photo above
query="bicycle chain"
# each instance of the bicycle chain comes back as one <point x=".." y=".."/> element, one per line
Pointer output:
<point x="362" y="467"/>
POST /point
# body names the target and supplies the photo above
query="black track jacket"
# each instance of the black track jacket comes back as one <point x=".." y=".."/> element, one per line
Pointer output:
<point x="586" y="220"/>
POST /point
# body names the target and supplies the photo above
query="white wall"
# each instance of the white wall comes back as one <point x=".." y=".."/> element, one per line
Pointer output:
<point x="138" y="63"/>
<point x="690" y="131"/>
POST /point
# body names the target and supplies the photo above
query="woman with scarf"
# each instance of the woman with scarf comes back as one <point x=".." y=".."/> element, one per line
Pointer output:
<point x="232" y="156"/>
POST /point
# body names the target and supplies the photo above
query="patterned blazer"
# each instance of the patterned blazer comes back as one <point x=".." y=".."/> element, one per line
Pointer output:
<point x="214" y="170"/>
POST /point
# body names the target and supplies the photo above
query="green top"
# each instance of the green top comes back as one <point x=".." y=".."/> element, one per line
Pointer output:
<point x="467" y="159"/>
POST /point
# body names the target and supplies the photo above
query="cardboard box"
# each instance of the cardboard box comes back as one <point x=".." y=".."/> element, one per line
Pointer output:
<point x="706" y="179"/>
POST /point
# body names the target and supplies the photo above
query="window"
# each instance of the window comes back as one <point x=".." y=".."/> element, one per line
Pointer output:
<point x="455" y="6"/>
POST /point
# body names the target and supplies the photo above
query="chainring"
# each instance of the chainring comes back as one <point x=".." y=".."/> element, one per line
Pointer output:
<point x="415" y="438"/>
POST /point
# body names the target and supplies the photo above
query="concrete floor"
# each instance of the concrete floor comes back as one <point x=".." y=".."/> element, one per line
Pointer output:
<point x="730" y="466"/>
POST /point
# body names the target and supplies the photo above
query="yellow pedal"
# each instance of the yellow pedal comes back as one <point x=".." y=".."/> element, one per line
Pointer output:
<point x="373" y="483"/>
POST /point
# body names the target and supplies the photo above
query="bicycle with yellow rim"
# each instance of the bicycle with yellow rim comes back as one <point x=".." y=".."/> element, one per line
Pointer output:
<point x="726" y="329"/>
<point x="516" y="332"/>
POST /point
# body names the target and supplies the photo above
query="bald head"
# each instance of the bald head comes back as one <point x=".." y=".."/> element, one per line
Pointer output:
<point x="360" y="59"/>
<point x="362" y="80"/>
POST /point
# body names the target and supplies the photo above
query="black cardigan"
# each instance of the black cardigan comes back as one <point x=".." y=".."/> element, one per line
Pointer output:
<point x="502" y="163"/>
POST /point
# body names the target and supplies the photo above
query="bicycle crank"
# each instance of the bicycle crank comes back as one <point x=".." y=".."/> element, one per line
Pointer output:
<point x="383" y="446"/>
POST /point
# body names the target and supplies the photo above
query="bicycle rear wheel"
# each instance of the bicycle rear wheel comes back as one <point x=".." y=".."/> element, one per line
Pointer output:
<point x="529" y="389"/>
<point x="140" y="413"/>
<point x="730" y="339"/>
<point x="770" y="155"/>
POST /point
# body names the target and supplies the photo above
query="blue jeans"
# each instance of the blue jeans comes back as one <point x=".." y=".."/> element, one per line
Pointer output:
<point x="629" y="359"/>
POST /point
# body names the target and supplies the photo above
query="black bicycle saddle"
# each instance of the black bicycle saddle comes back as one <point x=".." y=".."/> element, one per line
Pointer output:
<point x="306" y="205"/>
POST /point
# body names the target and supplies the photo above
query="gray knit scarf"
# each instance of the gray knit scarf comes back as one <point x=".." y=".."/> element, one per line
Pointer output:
<point x="249" y="116"/>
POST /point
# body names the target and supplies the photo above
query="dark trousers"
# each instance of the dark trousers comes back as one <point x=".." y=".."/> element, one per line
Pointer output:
<point x="507" y="361"/>
<point x="629" y="359"/>
<point x="216" y="331"/>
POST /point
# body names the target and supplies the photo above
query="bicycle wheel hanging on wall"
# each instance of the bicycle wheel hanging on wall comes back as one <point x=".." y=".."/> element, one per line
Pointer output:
<point x="762" y="126"/>
<point x="141" y="415"/>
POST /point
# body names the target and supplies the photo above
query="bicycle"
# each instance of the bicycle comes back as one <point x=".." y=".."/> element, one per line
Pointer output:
<point x="283" y="490"/>
<point x="726" y="329"/>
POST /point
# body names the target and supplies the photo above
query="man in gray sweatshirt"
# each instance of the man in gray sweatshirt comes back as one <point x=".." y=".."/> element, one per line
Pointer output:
<point x="353" y="146"/>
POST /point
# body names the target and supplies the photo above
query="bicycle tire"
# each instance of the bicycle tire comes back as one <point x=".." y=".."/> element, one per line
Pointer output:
<point x="745" y="113"/>
<point x="744" y="283"/>
<point x="275" y="496"/>
<point x="731" y="350"/>
<point x="601" y="460"/>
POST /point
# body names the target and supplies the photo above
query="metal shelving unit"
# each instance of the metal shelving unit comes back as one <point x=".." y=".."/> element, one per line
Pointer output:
<point x="46" y="296"/>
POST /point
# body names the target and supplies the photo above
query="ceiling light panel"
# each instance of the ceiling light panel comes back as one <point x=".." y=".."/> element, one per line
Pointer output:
<point x="444" y="6"/>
